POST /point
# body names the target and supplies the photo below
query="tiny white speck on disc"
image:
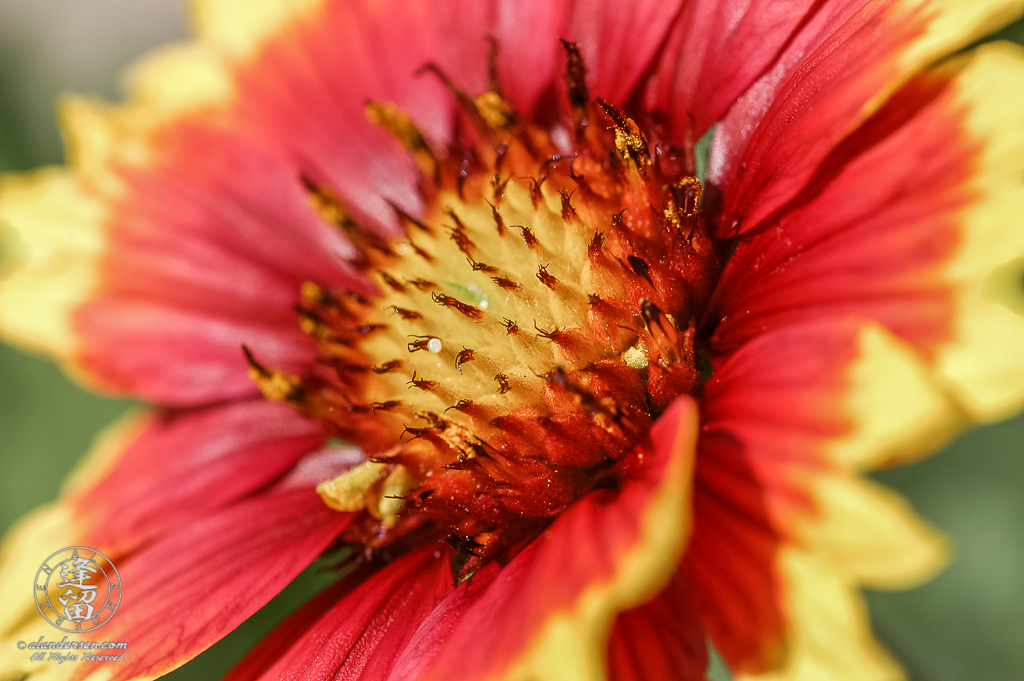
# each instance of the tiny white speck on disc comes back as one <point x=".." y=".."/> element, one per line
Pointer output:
<point x="434" y="345"/>
<point x="484" y="304"/>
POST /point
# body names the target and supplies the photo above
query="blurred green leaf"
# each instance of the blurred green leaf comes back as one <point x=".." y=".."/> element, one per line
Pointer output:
<point x="969" y="622"/>
<point x="47" y="423"/>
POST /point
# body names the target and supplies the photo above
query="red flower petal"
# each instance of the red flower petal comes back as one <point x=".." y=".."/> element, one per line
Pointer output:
<point x="191" y="588"/>
<point x="527" y="59"/>
<point x="467" y="23"/>
<point x="659" y="640"/>
<point x="207" y="251"/>
<point x="306" y="95"/>
<point x="434" y="630"/>
<point x="530" y="59"/>
<point x="183" y="466"/>
<point x="732" y="558"/>
<point x="832" y="76"/>
<point x="619" y="40"/>
<point x="873" y="234"/>
<point x="356" y="629"/>
<point x="766" y="415"/>
<point x="127" y="343"/>
<point x="785" y="531"/>
<point x="715" y="51"/>
<point x="816" y="94"/>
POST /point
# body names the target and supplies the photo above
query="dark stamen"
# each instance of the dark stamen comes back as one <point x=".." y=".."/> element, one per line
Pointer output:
<point x="499" y="222"/>
<point x="388" y="367"/>
<point x="468" y="311"/>
<point x="641" y="268"/>
<point x="535" y="186"/>
<point x="423" y="285"/>
<point x="499" y="159"/>
<point x="349" y="368"/>
<point x="576" y="81"/>
<point x="506" y="283"/>
<point x="629" y="140"/>
<point x="422" y="383"/>
<point x="498" y="188"/>
<point x="465" y="355"/>
<point x="420" y="252"/>
<point x="421" y="343"/>
<point x="528" y="237"/>
<point x="391" y="281"/>
<point x="555" y="335"/>
<point x="481" y="267"/>
<point x="408" y="315"/>
<point x="545" y="278"/>
<point x="492" y="64"/>
<point x="405" y="217"/>
<point x="458" y="234"/>
<point x="568" y="212"/>
<point x="464" y="406"/>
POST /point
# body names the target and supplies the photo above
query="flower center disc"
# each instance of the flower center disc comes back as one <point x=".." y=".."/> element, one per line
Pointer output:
<point x="527" y="331"/>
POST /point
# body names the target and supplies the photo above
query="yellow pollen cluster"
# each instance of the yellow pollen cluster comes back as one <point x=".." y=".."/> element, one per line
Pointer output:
<point x="478" y="308"/>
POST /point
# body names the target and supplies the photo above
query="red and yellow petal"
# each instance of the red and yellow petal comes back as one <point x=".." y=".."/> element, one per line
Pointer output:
<point x="789" y="422"/>
<point x="661" y="639"/>
<point x="910" y="223"/>
<point x="832" y="76"/>
<point x="52" y="235"/>
<point x="860" y="534"/>
<point x="314" y="117"/>
<point x="171" y="268"/>
<point x="180" y="501"/>
<point x="198" y="264"/>
<point x="880" y="221"/>
<point x="239" y="28"/>
<point x="58" y="220"/>
<point x="181" y="467"/>
<point x="981" y="361"/>
<point x="776" y="493"/>
<point x="226" y="566"/>
<point x="35" y="536"/>
<point x="199" y="581"/>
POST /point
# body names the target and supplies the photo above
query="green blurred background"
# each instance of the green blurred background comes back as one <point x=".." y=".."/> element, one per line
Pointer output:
<point x="967" y="625"/>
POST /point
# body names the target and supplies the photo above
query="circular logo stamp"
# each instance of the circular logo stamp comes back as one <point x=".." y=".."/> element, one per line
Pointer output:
<point x="77" y="589"/>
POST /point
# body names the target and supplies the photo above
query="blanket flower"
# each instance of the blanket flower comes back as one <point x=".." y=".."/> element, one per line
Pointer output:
<point x="443" y="290"/>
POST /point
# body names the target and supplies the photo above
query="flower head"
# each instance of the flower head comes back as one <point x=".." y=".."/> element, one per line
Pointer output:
<point x="588" y="406"/>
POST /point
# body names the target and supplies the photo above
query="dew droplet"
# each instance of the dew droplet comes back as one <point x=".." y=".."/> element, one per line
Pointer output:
<point x="434" y="345"/>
